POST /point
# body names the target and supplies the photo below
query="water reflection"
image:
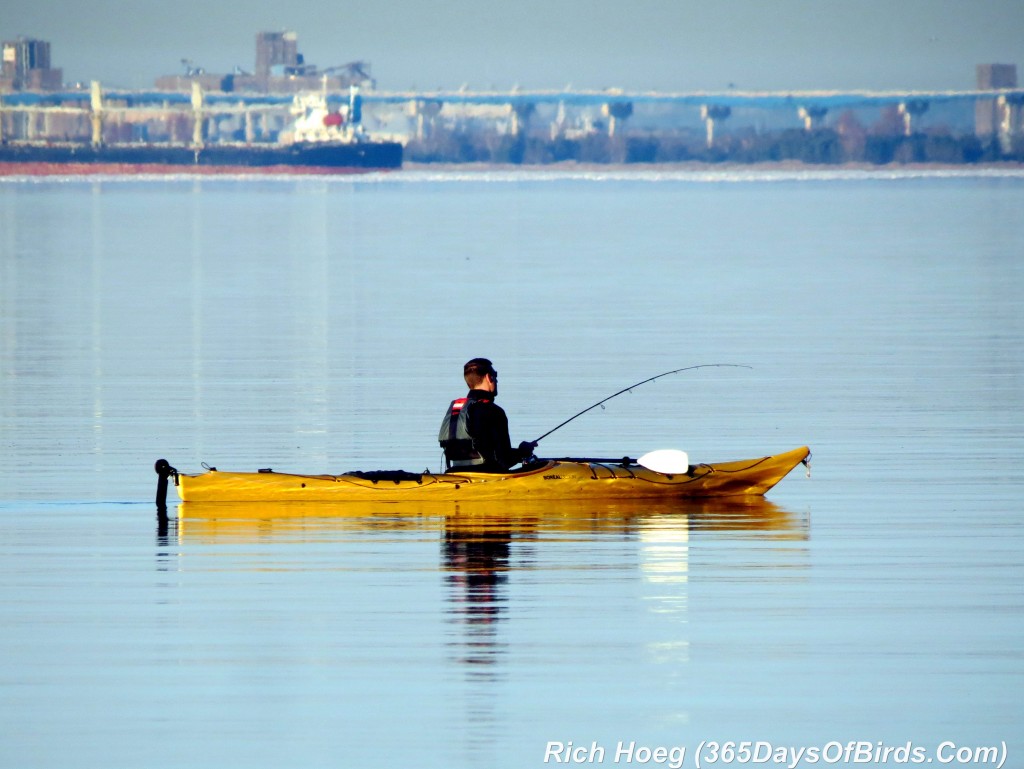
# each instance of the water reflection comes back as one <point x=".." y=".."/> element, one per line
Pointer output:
<point x="487" y="598"/>
<point x="482" y="543"/>
<point x="203" y="522"/>
<point x="166" y="539"/>
<point x="476" y="565"/>
<point x="482" y="546"/>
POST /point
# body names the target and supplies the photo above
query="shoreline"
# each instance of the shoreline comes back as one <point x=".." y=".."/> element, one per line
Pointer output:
<point x="568" y="170"/>
<point x="696" y="167"/>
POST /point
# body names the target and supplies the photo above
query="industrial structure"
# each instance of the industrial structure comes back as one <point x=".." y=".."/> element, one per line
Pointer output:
<point x="280" y="68"/>
<point x="200" y="108"/>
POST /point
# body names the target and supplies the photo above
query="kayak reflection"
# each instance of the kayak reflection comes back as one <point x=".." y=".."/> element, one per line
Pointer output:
<point x="483" y="546"/>
<point x="198" y="521"/>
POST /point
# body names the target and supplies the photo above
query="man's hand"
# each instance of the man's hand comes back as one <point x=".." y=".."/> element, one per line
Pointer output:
<point x="526" y="449"/>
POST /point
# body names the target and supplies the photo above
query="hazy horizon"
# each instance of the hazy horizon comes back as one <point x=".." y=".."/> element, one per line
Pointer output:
<point x="665" y="45"/>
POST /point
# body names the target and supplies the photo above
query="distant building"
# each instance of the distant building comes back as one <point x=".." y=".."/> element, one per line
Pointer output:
<point x="280" y="68"/>
<point x="277" y="52"/>
<point x="996" y="76"/>
<point x="990" y="115"/>
<point x="26" y="67"/>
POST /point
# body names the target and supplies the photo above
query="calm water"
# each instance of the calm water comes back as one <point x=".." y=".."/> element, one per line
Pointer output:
<point x="320" y="326"/>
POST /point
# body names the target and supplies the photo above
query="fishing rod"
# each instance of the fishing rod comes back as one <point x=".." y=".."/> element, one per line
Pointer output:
<point x="630" y="389"/>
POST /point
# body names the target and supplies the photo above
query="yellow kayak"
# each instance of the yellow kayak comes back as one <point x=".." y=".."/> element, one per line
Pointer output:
<point x="546" y="479"/>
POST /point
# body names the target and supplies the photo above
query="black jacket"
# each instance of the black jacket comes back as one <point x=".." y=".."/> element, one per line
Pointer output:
<point x="488" y="426"/>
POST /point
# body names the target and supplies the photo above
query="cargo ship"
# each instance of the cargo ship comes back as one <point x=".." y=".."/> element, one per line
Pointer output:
<point x="320" y="141"/>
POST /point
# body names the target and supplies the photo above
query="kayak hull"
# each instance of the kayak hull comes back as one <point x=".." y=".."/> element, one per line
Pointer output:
<point x="550" y="479"/>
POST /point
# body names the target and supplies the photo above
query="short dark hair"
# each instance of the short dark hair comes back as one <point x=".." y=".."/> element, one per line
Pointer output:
<point x="475" y="370"/>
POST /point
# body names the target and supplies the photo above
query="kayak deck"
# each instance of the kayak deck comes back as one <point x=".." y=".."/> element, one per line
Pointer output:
<point x="547" y="479"/>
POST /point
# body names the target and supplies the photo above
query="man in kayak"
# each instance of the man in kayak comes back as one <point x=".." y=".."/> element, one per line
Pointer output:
<point x="474" y="431"/>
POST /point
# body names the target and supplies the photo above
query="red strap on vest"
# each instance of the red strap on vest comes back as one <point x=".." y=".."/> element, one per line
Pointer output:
<point x="459" y="403"/>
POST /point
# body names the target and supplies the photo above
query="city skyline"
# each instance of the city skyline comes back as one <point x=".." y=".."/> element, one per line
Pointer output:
<point x="659" y="45"/>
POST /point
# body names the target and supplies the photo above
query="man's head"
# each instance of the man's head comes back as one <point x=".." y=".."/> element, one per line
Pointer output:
<point x="480" y="375"/>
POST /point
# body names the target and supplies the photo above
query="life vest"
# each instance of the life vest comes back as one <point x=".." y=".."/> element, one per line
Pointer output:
<point x="454" y="437"/>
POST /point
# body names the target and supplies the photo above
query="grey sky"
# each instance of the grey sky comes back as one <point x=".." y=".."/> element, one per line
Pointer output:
<point x="632" y="44"/>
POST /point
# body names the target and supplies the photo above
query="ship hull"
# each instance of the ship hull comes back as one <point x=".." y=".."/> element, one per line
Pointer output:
<point x="77" y="159"/>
